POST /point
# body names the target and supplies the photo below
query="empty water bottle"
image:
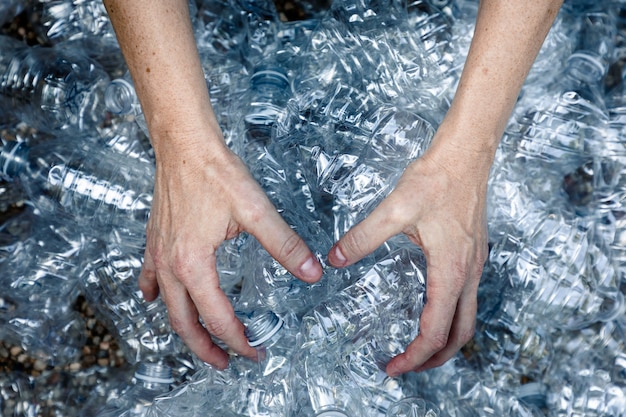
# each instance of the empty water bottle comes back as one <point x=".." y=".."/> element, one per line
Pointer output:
<point x="560" y="276"/>
<point x="273" y="338"/>
<point x="394" y="288"/>
<point x="52" y="89"/>
<point x="269" y="284"/>
<point x="201" y="396"/>
<point x="109" y="283"/>
<point x="42" y="268"/>
<point x="323" y="387"/>
<point x="265" y="103"/>
<point x="413" y="407"/>
<point x="82" y="23"/>
<point x="40" y="287"/>
<point x="261" y="25"/>
<point x="511" y="351"/>
<point x="78" y="181"/>
<point x="121" y="99"/>
<point x="219" y="28"/>
<point x="585" y="392"/>
<point x="150" y="380"/>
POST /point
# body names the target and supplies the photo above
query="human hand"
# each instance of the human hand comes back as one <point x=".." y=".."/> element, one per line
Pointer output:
<point x="439" y="203"/>
<point x="202" y="198"/>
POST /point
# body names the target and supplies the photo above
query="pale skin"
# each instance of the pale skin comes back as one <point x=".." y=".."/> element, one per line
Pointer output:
<point x="204" y="194"/>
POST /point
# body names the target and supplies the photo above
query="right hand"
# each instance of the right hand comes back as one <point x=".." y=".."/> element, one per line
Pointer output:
<point x="201" y="198"/>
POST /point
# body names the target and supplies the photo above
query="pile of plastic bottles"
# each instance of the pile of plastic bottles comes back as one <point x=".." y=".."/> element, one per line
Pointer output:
<point x="326" y="113"/>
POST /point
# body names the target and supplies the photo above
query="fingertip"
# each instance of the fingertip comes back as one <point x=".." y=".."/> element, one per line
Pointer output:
<point x="217" y="358"/>
<point x="148" y="286"/>
<point x="336" y="257"/>
<point x="398" y="366"/>
<point x="310" y="271"/>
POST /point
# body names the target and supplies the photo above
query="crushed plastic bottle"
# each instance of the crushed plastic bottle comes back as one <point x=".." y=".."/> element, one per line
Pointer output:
<point x="53" y="89"/>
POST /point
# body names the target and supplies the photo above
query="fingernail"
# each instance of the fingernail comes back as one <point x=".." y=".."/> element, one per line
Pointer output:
<point x="310" y="270"/>
<point x="340" y="257"/>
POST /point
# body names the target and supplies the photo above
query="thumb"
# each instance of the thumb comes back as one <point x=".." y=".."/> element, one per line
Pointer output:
<point x="369" y="234"/>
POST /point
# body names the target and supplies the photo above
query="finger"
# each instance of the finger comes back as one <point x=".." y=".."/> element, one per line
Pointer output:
<point x="215" y="308"/>
<point x="286" y="247"/>
<point x="435" y="322"/>
<point x="183" y="317"/>
<point x="461" y="332"/>
<point x="147" y="280"/>
<point x="369" y="234"/>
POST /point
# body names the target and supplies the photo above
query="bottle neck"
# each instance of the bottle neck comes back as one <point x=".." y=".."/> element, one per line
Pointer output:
<point x="264" y="329"/>
<point x="13" y="158"/>
<point x="332" y="413"/>
<point x="120" y="97"/>
<point x="154" y="376"/>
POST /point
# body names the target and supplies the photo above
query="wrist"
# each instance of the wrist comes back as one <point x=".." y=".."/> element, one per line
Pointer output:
<point x="185" y="135"/>
<point x="462" y="151"/>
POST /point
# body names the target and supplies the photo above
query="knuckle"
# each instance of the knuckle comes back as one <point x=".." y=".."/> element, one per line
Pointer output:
<point x="438" y="341"/>
<point x="291" y="247"/>
<point x="256" y="213"/>
<point x="216" y="326"/>
<point x="158" y="258"/>
<point x="354" y="242"/>
<point x="465" y="336"/>
<point x="181" y="268"/>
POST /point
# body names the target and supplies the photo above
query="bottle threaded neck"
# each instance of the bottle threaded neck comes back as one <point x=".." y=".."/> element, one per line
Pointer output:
<point x="120" y="96"/>
<point x="155" y="373"/>
<point x="332" y="413"/>
<point x="273" y="76"/>
<point x="263" y="327"/>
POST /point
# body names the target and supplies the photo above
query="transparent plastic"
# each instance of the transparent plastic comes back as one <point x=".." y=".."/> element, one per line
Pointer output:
<point x="53" y="89"/>
<point x="150" y="380"/>
<point x="109" y="283"/>
<point x="78" y="181"/>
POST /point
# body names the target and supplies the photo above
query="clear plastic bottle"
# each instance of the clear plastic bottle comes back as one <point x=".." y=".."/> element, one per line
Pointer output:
<point x="201" y="396"/>
<point x="42" y="268"/>
<point x="219" y="28"/>
<point x="560" y="277"/>
<point x="82" y="23"/>
<point x="556" y="124"/>
<point x="53" y="89"/>
<point x="273" y="338"/>
<point x="121" y="99"/>
<point x="392" y="290"/>
<point x="413" y="407"/>
<point x="39" y="289"/>
<point x="78" y="181"/>
<point x="323" y="386"/>
<point x="261" y="24"/>
<point x="54" y="336"/>
<point x="267" y="283"/>
<point x="151" y="380"/>
<point x="265" y="103"/>
<point x="512" y="351"/>
<point x="109" y="283"/>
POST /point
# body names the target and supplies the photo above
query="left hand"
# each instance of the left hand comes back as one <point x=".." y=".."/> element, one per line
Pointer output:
<point x="439" y="203"/>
